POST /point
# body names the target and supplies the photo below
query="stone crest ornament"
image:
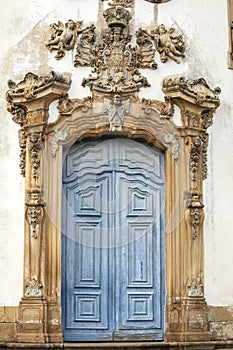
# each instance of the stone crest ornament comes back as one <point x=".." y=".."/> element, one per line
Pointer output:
<point x="116" y="112"/>
<point x="34" y="289"/>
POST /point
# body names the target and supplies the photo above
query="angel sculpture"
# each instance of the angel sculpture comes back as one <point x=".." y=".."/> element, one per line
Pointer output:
<point x="64" y="36"/>
<point x="116" y="112"/>
<point x="168" y="44"/>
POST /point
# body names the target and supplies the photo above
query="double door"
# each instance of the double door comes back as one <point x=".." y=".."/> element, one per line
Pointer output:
<point x="113" y="279"/>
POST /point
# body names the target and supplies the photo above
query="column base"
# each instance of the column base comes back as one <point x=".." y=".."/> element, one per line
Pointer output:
<point x="188" y="321"/>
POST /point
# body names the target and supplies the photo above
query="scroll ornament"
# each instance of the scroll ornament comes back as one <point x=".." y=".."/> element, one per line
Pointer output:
<point x="67" y="105"/>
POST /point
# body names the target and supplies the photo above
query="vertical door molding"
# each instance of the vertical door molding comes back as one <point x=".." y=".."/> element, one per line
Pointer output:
<point x="230" y="33"/>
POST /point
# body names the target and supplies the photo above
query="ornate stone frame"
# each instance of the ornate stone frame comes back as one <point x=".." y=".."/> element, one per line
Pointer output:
<point x="185" y="148"/>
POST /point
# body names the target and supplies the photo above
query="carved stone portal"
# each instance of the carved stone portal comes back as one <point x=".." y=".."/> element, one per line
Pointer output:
<point x="114" y="106"/>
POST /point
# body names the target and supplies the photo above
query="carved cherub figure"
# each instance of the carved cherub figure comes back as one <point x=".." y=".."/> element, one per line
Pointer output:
<point x="64" y="36"/>
<point x="116" y="112"/>
<point x="168" y="44"/>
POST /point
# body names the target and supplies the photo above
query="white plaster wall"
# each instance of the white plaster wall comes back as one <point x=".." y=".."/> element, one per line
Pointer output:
<point x="204" y="24"/>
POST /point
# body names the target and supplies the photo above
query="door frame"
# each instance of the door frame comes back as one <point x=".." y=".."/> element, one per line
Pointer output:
<point x="185" y="147"/>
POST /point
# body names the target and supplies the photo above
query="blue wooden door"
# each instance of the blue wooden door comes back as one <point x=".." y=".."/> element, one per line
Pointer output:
<point x="113" y="247"/>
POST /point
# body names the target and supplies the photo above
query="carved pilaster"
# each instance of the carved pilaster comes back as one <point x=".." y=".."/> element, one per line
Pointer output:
<point x="29" y="101"/>
<point x="197" y="102"/>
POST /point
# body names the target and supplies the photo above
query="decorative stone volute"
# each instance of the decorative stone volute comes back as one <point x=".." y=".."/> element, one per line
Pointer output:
<point x="34" y="93"/>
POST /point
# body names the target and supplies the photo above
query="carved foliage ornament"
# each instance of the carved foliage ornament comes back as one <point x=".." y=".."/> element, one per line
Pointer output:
<point x="22" y="156"/>
<point x="166" y="109"/>
<point x="195" y="152"/>
<point x="196" y="214"/>
<point x="35" y="146"/>
<point x="67" y="105"/>
<point x="34" y="212"/>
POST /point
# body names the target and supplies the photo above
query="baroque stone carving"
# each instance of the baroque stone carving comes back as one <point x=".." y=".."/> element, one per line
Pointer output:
<point x="205" y="142"/>
<point x="34" y="212"/>
<point x="34" y="216"/>
<point x="124" y="3"/>
<point x="146" y="50"/>
<point x="195" y="212"/>
<point x="166" y="109"/>
<point x="168" y="43"/>
<point x="67" y="105"/>
<point x="34" y="289"/>
<point x="198" y="88"/>
<point x="195" y="152"/>
<point x="85" y="51"/>
<point x="32" y="83"/>
<point x="172" y="139"/>
<point x="34" y="146"/>
<point x="202" y="90"/>
<point x="195" y="288"/>
<point x="116" y="112"/>
<point x="59" y="135"/>
<point x="63" y="37"/>
<point x="115" y="68"/>
<point x="22" y="156"/>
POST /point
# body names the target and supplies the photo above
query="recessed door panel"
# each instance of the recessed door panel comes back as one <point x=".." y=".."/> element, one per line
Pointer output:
<point x="113" y="282"/>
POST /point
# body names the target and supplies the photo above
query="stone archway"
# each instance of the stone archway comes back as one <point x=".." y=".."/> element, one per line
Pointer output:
<point x="41" y="160"/>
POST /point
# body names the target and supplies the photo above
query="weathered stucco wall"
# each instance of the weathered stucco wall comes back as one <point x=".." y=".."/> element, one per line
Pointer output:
<point x="25" y="29"/>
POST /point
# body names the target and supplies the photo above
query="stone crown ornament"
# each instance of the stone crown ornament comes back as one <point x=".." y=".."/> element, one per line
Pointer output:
<point x="117" y="16"/>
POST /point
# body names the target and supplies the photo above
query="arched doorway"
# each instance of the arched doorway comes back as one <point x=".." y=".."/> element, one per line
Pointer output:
<point x="113" y="246"/>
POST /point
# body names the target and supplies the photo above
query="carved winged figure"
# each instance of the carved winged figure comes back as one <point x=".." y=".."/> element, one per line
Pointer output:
<point x="168" y="43"/>
<point x="116" y="112"/>
<point x="64" y="36"/>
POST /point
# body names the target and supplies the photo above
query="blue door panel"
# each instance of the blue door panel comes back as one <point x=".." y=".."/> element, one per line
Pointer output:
<point x="113" y="249"/>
